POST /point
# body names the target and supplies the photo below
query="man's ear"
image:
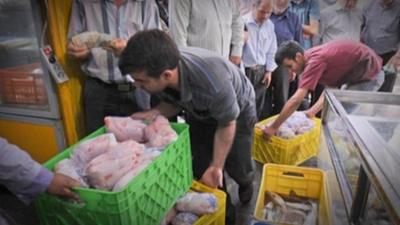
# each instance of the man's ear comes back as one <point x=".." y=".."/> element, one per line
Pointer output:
<point x="167" y="74"/>
<point x="298" y="57"/>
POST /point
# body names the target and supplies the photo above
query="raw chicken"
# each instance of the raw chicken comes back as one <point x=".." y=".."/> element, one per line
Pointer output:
<point x="169" y="217"/>
<point x="159" y="133"/>
<point x="92" y="39"/>
<point x="106" y="169"/>
<point x="127" y="177"/>
<point x="184" y="218"/>
<point x="121" y="150"/>
<point x="68" y="168"/>
<point x="125" y="128"/>
<point x="298" y="123"/>
<point x="104" y="176"/>
<point x="87" y="150"/>
<point x="143" y="162"/>
<point x="150" y="154"/>
<point x="197" y="203"/>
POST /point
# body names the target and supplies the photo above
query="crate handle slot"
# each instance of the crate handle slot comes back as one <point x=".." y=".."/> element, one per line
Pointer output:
<point x="293" y="174"/>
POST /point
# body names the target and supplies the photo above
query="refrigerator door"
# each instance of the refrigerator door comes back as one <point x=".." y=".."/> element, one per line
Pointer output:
<point x="25" y="85"/>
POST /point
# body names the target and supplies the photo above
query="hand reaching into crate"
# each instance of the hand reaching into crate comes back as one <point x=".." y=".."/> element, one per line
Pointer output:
<point x="26" y="178"/>
<point x="394" y="62"/>
<point x="268" y="132"/>
<point x="146" y="115"/>
<point x="310" y="113"/>
<point x="61" y="185"/>
<point x="212" y="177"/>
<point x="297" y="124"/>
<point x="125" y="128"/>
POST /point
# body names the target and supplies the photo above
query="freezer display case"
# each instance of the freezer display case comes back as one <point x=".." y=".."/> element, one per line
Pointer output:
<point x="361" y="132"/>
<point x="27" y="94"/>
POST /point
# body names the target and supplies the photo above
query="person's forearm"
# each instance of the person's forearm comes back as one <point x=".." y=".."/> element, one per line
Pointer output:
<point x="20" y="173"/>
<point x="318" y="105"/>
<point x="166" y="109"/>
<point x="237" y="27"/>
<point x="311" y="29"/>
<point x="223" y="140"/>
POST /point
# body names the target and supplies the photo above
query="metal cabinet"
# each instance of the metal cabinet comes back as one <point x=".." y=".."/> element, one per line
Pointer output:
<point x="27" y="94"/>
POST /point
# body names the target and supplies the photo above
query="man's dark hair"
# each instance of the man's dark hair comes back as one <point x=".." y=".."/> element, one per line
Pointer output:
<point x="152" y="51"/>
<point x="288" y="50"/>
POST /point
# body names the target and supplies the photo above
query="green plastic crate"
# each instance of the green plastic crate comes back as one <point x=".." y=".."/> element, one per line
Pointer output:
<point x="144" y="201"/>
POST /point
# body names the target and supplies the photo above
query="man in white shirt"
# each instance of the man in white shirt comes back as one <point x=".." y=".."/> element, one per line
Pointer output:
<point x="259" y="50"/>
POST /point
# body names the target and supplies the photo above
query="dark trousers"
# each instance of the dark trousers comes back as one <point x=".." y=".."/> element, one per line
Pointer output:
<point x="238" y="164"/>
<point x="14" y="212"/>
<point x="390" y="78"/>
<point x="101" y="100"/>
<point x="279" y="91"/>
<point x="255" y="76"/>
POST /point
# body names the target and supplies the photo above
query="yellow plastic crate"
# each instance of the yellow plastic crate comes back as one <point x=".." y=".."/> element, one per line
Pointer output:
<point x="217" y="218"/>
<point x="286" y="151"/>
<point x="305" y="182"/>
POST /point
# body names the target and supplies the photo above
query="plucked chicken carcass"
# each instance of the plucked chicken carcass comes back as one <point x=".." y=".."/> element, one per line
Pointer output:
<point x="125" y="128"/>
<point x="197" y="203"/>
<point x="68" y="168"/>
<point x="87" y="150"/>
<point x="92" y="39"/>
<point x="298" y="123"/>
<point x="106" y="169"/>
<point x="159" y="133"/>
<point x="143" y="162"/>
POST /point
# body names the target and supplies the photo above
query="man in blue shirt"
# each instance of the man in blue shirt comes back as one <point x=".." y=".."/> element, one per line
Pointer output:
<point x="287" y="24"/>
<point x="309" y="15"/>
<point x="259" y="50"/>
<point x="287" y="27"/>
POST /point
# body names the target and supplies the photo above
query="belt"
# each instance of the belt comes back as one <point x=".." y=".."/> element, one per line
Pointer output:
<point x="123" y="87"/>
<point x="255" y="67"/>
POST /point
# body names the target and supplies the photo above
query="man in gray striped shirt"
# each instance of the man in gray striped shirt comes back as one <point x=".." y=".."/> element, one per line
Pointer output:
<point x="215" y="25"/>
<point x="381" y="32"/>
<point x="218" y="99"/>
<point x="106" y="91"/>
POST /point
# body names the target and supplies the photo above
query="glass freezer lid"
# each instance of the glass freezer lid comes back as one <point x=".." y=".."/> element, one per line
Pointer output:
<point x="374" y="121"/>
